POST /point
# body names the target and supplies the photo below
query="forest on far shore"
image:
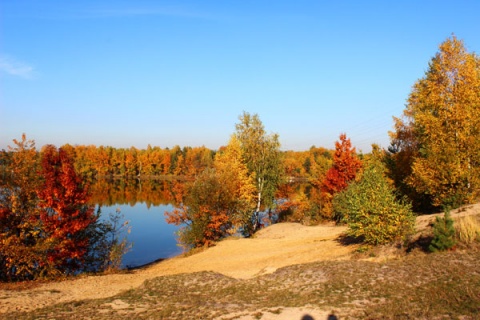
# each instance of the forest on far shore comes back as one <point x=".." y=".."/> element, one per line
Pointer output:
<point x="94" y="162"/>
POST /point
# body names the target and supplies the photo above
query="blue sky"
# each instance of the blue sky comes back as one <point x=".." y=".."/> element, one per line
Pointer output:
<point x="165" y="73"/>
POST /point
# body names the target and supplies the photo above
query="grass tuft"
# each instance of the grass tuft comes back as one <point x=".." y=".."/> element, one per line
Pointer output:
<point x="467" y="229"/>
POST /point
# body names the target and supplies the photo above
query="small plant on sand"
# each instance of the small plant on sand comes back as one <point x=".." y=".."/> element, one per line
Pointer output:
<point x="443" y="233"/>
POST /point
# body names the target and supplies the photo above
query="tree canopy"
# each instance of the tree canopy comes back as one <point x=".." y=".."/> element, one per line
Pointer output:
<point x="437" y="142"/>
<point x="262" y="156"/>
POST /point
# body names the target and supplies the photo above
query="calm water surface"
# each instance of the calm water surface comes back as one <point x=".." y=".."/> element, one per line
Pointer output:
<point x="152" y="237"/>
<point x="142" y="203"/>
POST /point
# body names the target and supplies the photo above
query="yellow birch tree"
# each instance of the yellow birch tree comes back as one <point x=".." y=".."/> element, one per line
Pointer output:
<point x="233" y="173"/>
<point x="440" y="128"/>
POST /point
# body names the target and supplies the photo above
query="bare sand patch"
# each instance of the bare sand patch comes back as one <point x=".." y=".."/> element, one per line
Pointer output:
<point x="274" y="247"/>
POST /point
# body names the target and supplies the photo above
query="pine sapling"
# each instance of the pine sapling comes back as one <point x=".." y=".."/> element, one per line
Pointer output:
<point x="443" y="233"/>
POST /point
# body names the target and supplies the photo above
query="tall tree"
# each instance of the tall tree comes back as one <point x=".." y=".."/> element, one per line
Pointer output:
<point x="166" y="162"/>
<point x="132" y="167"/>
<point x="20" y="253"/>
<point x="262" y="156"/>
<point x="233" y="173"/>
<point x="65" y="214"/>
<point x="102" y="160"/>
<point x="439" y="134"/>
<point x="344" y="169"/>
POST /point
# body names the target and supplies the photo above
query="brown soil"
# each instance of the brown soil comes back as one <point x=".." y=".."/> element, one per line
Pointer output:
<point x="272" y="248"/>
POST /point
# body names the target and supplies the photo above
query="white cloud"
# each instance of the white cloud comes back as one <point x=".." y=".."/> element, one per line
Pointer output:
<point x="16" y="68"/>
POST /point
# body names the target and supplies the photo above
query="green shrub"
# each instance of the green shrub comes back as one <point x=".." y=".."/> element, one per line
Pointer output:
<point x="371" y="210"/>
<point x="443" y="234"/>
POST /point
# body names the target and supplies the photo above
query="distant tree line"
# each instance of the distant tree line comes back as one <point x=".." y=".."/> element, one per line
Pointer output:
<point x="154" y="162"/>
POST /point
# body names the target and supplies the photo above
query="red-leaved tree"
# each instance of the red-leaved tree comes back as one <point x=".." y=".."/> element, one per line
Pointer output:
<point x="345" y="167"/>
<point x="65" y="214"/>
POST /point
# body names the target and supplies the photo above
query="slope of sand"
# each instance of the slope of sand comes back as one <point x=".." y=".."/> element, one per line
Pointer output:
<point x="274" y="247"/>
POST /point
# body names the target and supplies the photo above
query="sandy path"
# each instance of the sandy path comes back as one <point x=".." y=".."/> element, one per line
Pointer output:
<point x="277" y="246"/>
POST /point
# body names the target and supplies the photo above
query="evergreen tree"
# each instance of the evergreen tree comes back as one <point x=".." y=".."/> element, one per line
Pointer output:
<point x="371" y="209"/>
<point x="443" y="234"/>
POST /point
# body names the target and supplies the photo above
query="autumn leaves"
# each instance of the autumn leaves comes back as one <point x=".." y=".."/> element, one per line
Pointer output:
<point x="436" y="145"/>
<point x="227" y="198"/>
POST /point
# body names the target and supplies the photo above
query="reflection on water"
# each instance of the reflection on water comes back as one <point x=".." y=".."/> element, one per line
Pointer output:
<point x="132" y="191"/>
<point x="151" y="236"/>
<point x="143" y="204"/>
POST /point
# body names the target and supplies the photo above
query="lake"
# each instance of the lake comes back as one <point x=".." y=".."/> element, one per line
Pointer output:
<point x="143" y="204"/>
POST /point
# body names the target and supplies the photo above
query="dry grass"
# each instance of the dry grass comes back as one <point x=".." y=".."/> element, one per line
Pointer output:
<point x="467" y="229"/>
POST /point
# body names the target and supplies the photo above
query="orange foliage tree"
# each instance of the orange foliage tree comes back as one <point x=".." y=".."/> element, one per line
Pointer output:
<point x="296" y="206"/>
<point x="20" y="253"/>
<point x="310" y="165"/>
<point x="204" y="212"/>
<point x="65" y="214"/>
<point x="234" y="174"/>
<point x="345" y="167"/>
<point x="303" y="205"/>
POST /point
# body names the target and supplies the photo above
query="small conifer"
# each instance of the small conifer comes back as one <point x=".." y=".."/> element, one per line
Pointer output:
<point x="443" y="233"/>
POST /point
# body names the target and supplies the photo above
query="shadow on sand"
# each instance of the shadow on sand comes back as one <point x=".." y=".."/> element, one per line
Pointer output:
<point x="330" y="317"/>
